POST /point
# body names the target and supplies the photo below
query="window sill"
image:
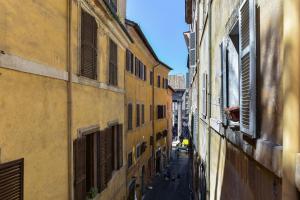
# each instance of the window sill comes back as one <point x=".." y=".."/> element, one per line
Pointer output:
<point x="95" y="83"/>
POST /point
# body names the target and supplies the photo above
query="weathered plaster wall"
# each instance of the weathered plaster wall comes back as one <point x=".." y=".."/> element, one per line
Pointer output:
<point x="264" y="152"/>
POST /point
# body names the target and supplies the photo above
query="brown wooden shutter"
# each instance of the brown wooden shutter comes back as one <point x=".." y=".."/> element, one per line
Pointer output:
<point x="11" y="180"/>
<point x="80" y="168"/>
<point x="137" y="65"/>
<point x="101" y="161"/>
<point x="120" y="146"/>
<point x="113" y="63"/>
<point x="88" y="46"/>
<point x="109" y="155"/>
<point x="128" y="60"/>
<point x="143" y="113"/>
<point x="145" y="73"/>
<point x="129" y="126"/>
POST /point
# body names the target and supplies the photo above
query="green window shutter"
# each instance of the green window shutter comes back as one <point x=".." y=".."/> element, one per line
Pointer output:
<point x="247" y="29"/>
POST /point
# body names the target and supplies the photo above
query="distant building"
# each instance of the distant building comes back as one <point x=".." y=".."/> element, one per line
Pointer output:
<point x="177" y="81"/>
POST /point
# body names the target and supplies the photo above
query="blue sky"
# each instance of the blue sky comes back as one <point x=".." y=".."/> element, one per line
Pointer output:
<point x="162" y="21"/>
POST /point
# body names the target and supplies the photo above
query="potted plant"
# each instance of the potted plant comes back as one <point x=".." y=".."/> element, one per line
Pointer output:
<point x="92" y="193"/>
<point x="232" y="113"/>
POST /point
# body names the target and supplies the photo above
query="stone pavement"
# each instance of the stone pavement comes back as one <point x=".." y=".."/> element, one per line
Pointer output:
<point x="179" y="184"/>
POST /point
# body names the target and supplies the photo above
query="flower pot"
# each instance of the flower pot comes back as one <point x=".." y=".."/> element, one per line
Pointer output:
<point x="233" y="113"/>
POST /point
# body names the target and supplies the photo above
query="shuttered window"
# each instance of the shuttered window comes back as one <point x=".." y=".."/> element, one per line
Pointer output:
<point x="151" y="113"/>
<point x="137" y="66"/>
<point x="141" y="72"/>
<point x="158" y="81"/>
<point x="204" y="95"/>
<point x="247" y="29"/>
<point x="224" y="77"/>
<point x="12" y="180"/>
<point x="88" y="46"/>
<point x="101" y="161"/>
<point x="143" y="114"/>
<point x="192" y="53"/>
<point x="113" y="63"/>
<point x="109" y="154"/>
<point x="160" y="112"/>
<point x="120" y="146"/>
<point x="129" y="61"/>
<point x="151" y="77"/>
<point x="129" y="126"/>
<point x="80" y="189"/>
<point x="145" y="73"/>
<point x="137" y="115"/>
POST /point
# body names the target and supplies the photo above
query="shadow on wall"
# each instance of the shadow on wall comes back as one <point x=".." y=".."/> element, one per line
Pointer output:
<point x="245" y="179"/>
<point x="269" y="75"/>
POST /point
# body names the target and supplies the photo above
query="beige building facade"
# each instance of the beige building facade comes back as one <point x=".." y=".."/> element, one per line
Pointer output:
<point x="239" y="49"/>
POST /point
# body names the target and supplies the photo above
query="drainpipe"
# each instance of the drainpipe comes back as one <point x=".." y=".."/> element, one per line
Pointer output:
<point x="69" y="100"/>
<point x="209" y="98"/>
<point x="153" y="117"/>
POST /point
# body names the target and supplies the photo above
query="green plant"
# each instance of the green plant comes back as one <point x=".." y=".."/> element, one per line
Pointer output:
<point x="92" y="193"/>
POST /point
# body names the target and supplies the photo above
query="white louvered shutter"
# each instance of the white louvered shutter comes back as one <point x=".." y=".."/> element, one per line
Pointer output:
<point x="224" y="83"/>
<point x="204" y="95"/>
<point x="192" y="49"/>
<point x="247" y="29"/>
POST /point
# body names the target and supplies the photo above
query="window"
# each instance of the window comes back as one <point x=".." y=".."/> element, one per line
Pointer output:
<point x="151" y="113"/>
<point x="137" y="67"/>
<point x="12" y="179"/>
<point x="160" y="112"/>
<point x="113" y="5"/>
<point x="238" y="53"/>
<point x="163" y="82"/>
<point x="166" y="83"/>
<point x="143" y="114"/>
<point x="88" y="46"/>
<point x="141" y="74"/>
<point x="151" y="77"/>
<point x="129" y="160"/>
<point x="158" y="81"/>
<point x="138" y="151"/>
<point x="113" y="63"/>
<point x="137" y="115"/>
<point x="129" y="61"/>
<point x="230" y="73"/>
<point x="96" y="156"/>
<point x="129" y="127"/>
<point x="145" y="73"/>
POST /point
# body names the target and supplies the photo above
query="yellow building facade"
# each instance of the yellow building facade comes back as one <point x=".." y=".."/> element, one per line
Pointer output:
<point x="141" y="96"/>
<point x="162" y="109"/>
<point x="62" y="97"/>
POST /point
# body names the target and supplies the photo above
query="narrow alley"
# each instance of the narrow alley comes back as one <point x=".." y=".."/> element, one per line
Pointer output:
<point x="150" y="100"/>
<point x="175" y="181"/>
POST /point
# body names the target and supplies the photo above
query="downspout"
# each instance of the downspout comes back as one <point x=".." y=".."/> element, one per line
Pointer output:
<point x="209" y="97"/>
<point x="153" y="117"/>
<point x="69" y="100"/>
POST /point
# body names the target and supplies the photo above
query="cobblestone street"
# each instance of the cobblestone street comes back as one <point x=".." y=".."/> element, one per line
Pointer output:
<point x="179" y="184"/>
